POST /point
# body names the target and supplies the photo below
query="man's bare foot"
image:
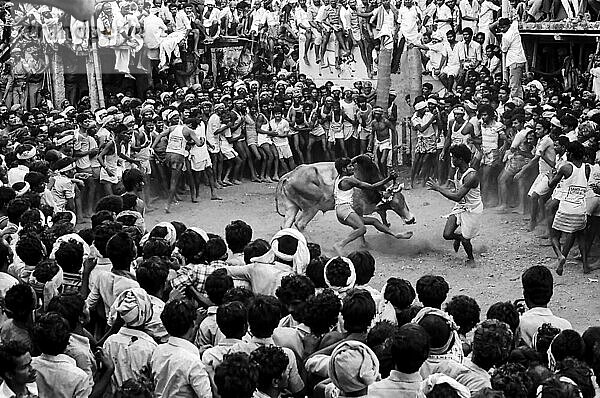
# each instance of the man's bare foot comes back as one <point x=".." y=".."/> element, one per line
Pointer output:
<point x="215" y="197"/>
<point x="194" y="200"/>
<point x="275" y="178"/>
<point x="519" y="210"/>
<point x="227" y="183"/>
<point x="561" y="265"/>
<point x="256" y="179"/>
<point x="268" y="180"/>
<point x="470" y="262"/>
<point x="236" y="182"/>
<point x="456" y="245"/>
<point x="404" y="235"/>
<point x="500" y="209"/>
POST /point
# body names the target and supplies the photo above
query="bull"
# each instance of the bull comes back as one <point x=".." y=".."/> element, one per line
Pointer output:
<point x="308" y="189"/>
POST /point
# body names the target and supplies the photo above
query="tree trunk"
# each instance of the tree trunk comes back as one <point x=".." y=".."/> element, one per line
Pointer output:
<point x="384" y="80"/>
<point x="415" y="84"/>
<point x="58" y="79"/>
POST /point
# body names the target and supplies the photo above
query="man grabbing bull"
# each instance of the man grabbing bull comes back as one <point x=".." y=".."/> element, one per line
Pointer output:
<point x="343" y="191"/>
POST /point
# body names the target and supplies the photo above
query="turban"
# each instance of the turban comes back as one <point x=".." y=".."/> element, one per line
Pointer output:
<point x="351" y="279"/>
<point x="128" y="119"/>
<point x="172" y="114"/>
<point x="439" y="378"/>
<point x="453" y="347"/>
<point x="139" y="223"/>
<point x="420" y="105"/>
<point x="200" y="232"/>
<point x="25" y="155"/>
<point x="22" y="190"/>
<point x="353" y="366"/>
<point x="70" y="237"/>
<point x="300" y="259"/>
<point x="134" y="307"/>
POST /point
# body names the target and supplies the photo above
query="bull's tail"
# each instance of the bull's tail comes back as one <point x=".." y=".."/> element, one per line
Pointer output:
<point x="282" y="181"/>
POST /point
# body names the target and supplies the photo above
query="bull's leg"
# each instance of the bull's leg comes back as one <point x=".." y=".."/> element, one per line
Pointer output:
<point x="383" y="214"/>
<point x="291" y="212"/>
<point x="305" y="217"/>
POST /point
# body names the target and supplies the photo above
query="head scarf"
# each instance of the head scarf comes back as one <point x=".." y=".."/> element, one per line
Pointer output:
<point x="134" y="307"/>
<point x="70" y="237"/>
<point x="200" y="232"/>
<point x="353" y="366"/>
<point x="300" y="259"/>
<point x="440" y="378"/>
<point x="453" y="347"/>
<point x="140" y="224"/>
<point x="171" y="233"/>
<point x="23" y="190"/>
<point x="25" y="155"/>
<point x="349" y="283"/>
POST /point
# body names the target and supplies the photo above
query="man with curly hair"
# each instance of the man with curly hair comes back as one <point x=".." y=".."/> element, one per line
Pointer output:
<point x="271" y="362"/>
<point x="465" y="311"/>
<point x="432" y="290"/>
<point x="236" y="376"/>
<point x="16" y="371"/>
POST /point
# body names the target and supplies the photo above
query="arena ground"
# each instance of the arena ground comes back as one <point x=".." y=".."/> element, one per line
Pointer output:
<point x="502" y="251"/>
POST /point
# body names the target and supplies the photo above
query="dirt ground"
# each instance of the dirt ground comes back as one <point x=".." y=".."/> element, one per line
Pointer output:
<point x="502" y="251"/>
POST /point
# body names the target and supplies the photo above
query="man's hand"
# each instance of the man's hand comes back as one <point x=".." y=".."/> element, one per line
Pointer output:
<point x="105" y="360"/>
<point x="89" y="265"/>
<point x="432" y="184"/>
<point x="518" y="176"/>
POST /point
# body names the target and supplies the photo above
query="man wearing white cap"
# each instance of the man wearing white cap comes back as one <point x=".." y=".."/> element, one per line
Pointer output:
<point x="25" y="153"/>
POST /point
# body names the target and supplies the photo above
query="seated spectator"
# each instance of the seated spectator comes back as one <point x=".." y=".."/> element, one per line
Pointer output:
<point x="263" y="317"/>
<point x="465" y="312"/>
<point x="217" y="284"/>
<point x="130" y="348"/>
<point x="505" y="312"/>
<point x="57" y="373"/>
<point x="272" y="363"/>
<point x="353" y="367"/>
<point x="567" y="344"/>
<point x="399" y="296"/>
<point x="340" y="275"/>
<point x="364" y="266"/>
<point x="191" y="245"/>
<point x="288" y="254"/>
<point x="236" y="376"/>
<point x="215" y="254"/>
<point x="293" y="293"/>
<point x="238" y="235"/>
<point x="538" y="286"/>
<point x="17" y="373"/>
<point x="176" y="366"/>
<point x="72" y="308"/>
<point x="410" y="350"/>
<point x="512" y="380"/>
<point x="152" y="276"/>
<point x="19" y="302"/>
<point x="432" y="291"/>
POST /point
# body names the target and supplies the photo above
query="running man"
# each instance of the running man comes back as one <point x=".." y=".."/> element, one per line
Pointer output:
<point x="343" y="191"/>
<point x="466" y="214"/>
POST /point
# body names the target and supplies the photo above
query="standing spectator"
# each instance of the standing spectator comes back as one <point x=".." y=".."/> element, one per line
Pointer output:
<point x="515" y="56"/>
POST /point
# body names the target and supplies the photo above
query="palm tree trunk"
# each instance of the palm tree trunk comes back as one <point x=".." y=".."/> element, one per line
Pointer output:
<point x="384" y="80"/>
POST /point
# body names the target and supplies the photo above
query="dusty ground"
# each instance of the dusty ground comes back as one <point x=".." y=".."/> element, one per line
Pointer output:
<point x="503" y="250"/>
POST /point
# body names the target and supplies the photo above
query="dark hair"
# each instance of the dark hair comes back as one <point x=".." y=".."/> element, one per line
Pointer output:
<point x="132" y="177"/>
<point x="410" y="348"/>
<point x="103" y="233"/>
<point x="461" y="151"/>
<point x="341" y="164"/>
<point x="121" y="251"/>
<point x="178" y="317"/>
<point x="156" y="247"/>
<point x="380" y="333"/>
<point x="241" y="294"/>
<point x="101" y="216"/>
<point x="30" y="249"/>
<point x="51" y="334"/>
<point x="69" y="256"/>
<point x="492" y="343"/>
<point x="322" y="312"/>
<point x="432" y="290"/>
<point x="217" y="284"/>
<point x="576" y="151"/>
<point x="215" y="249"/>
<point x="314" y="270"/>
<point x="10" y="351"/>
<point x="399" y="292"/>
<point x="579" y="372"/>
<point x="69" y="306"/>
<point x="512" y="379"/>
<point x="364" y="266"/>
<point x="19" y="301"/>
<point x="358" y="311"/>
<point x="506" y="312"/>
<point x="538" y="285"/>
<point x="129" y="201"/>
<point x="152" y="275"/>
<point x="465" y="312"/>
<point x="263" y="316"/>
<point x="272" y="363"/>
<point x="238" y="234"/>
<point x="236" y="376"/>
<point x="591" y="337"/>
<point x="232" y="319"/>
<point x="191" y="246"/>
<point x="45" y="270"/>
<point x="7" y="194"/>
<point x="16" y="208"/>
<point x="287" y="244"/>
<point x="337" y="272"/>
<point x="113" y="203"/>
<point x="568" y="343"/>
<point x="553" y="387"/>
<point x="256" y="248"/>
<point x="295" y="287"/>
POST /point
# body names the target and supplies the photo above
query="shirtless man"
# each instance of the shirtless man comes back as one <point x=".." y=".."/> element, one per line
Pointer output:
<point x="343" y="191"/>
<point x="177" y="137"/>
<point x="381" y="127"/>
<point x="466" y="214"/>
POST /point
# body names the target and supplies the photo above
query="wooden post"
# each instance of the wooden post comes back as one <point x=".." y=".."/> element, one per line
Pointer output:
<point x="96" y="62"/>
<point x="213" y="63"/>
<point x="415" y="70"/>
<point x="58" y="79"/>
<point x="505" y="8"/>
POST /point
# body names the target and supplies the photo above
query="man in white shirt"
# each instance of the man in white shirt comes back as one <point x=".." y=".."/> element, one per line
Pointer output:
<point x="486" y="18"/>
<point x="155" y="30"/>
<point x="515" y="56"/>
<point x="16" y="371"/>
<point x="469" y="14"/>
<point x="443" y="17"/>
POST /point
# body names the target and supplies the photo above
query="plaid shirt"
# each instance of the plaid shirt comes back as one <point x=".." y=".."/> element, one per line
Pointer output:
<point x="192" y="275"/>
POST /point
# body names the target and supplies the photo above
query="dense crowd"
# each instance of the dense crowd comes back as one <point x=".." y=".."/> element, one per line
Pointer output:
<point x="116" y="311"/>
